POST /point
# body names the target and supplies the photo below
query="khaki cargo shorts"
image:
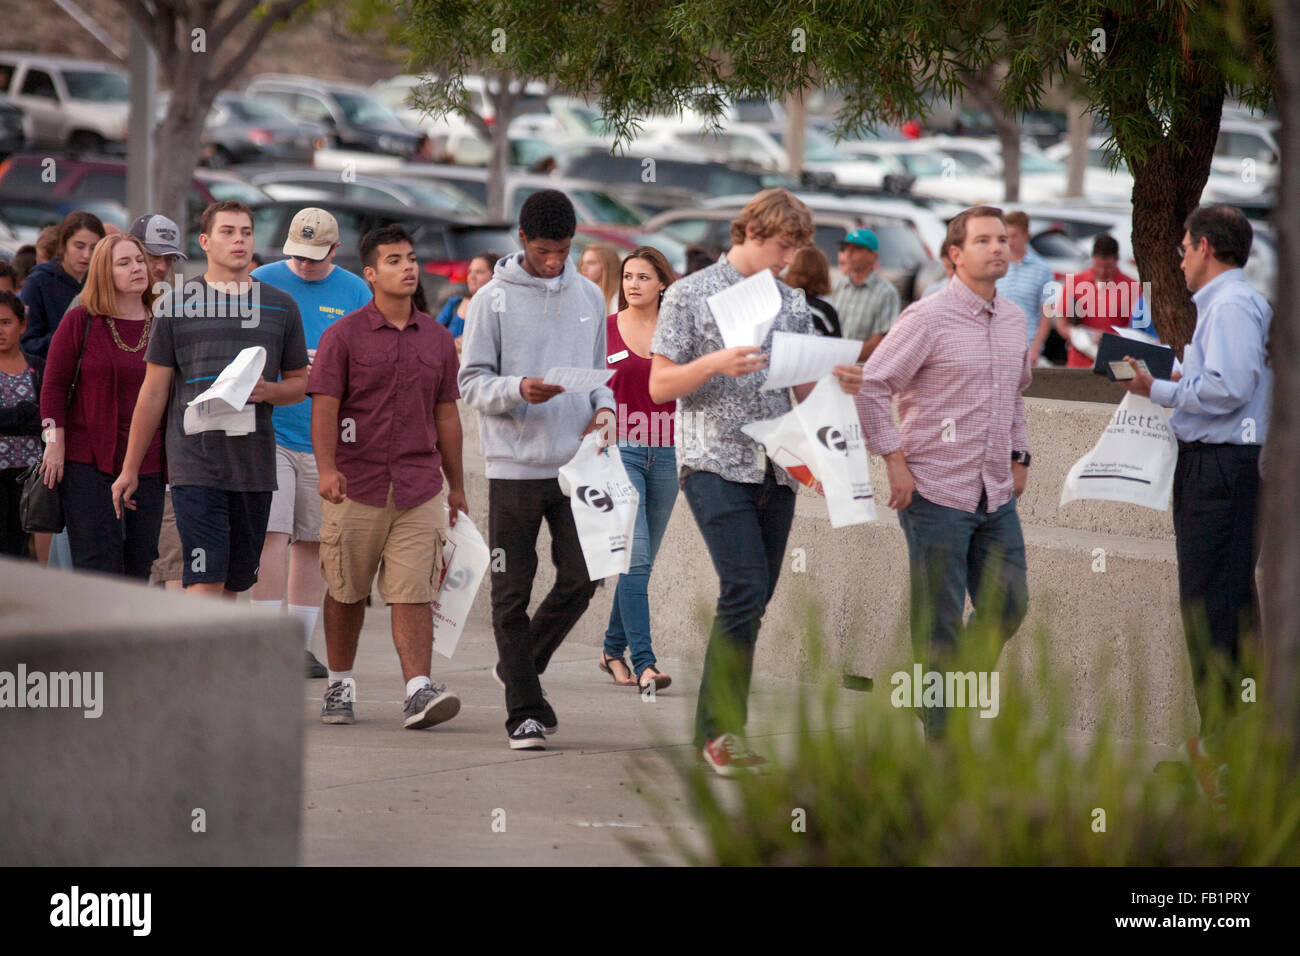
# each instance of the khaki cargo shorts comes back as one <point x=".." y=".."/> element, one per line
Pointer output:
<point x="404" y="545"/>
<point x="170" y="563"/>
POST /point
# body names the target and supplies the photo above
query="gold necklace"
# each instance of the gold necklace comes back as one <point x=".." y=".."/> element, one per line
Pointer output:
<point x="144" y="334"/>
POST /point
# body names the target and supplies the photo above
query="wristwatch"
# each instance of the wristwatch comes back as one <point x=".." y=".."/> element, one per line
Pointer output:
<point x="1022" y="457"/>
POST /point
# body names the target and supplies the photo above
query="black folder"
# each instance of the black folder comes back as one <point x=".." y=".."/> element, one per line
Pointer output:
<point x="1113" y="348"/>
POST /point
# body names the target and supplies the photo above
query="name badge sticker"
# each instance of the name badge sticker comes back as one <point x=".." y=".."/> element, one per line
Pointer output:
<point x="616" y="357"/>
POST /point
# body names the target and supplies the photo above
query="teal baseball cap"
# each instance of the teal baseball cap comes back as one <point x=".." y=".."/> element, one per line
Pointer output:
<point x="862" y="237"/>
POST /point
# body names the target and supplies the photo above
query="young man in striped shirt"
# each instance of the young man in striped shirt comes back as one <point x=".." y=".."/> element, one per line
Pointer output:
<point x="958" y="361"/>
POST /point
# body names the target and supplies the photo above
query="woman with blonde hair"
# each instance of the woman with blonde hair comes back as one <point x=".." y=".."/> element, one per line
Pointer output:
<point x="92" y="378"/>
<point x="599" y="263"/>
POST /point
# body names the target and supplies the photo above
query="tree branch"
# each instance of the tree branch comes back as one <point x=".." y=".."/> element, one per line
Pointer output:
<point x="223" y="27"/>
<point x="278" y="13"/>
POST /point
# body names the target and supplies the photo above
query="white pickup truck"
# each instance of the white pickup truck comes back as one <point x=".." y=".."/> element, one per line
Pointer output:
<point x="77" y="105"/>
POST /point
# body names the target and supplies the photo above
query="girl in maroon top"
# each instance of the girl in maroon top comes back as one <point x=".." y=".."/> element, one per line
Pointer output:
<point x="645" y="442"/>
<point x="87" y="439"/>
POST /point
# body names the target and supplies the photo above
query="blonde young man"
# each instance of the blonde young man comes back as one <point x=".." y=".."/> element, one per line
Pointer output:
<point x="743" y="504"/>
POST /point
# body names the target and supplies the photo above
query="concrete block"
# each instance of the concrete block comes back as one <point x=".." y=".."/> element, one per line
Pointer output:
<point x="1113" y="637"/>
<point x="201" y="710"/>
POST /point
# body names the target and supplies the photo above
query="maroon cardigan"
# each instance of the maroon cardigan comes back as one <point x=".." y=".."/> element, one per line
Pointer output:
<point x="90" y="425"/>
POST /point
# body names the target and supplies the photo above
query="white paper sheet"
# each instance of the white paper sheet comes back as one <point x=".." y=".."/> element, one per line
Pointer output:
<point x="745" y="311"/>
<point x="578" y="379"/>
<point x="797" y="359"/>
<point x="1137" y="336"/>
<point x="223" y="405"/>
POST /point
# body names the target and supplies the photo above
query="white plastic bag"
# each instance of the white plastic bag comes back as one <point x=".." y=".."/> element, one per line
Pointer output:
<point x="820" y="444"/>
<point x="604" y="506"/>
<point x="465" y="558"/>
<point x="1133" y="461"/>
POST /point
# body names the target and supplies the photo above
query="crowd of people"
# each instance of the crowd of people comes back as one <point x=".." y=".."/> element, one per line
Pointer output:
<point x="345" y="468"/>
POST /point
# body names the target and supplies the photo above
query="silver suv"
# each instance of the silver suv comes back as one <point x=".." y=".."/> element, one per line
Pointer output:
<point x="78" y="105"/>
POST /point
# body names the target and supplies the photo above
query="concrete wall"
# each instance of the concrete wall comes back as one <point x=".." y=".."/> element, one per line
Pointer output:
<point x="202" y="709"/>
<point x="1111" y="636"/>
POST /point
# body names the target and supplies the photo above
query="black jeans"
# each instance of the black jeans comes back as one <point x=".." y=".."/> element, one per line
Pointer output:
<point x="746" y="527"/>
<point x="1216" y="497"/>
<point x="13" y="539"/>
<point x="99" y="540"/>
<point x="516" y="509"/>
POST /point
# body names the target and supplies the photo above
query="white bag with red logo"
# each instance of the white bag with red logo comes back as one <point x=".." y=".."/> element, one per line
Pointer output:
<point x="819" y="442"/>
<point x="465" y="559"/>
<point x="604" y="506"/>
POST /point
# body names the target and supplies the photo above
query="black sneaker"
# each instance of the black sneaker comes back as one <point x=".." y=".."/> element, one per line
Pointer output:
<point x="338" y="703"/>
<point x="528" y="736"/>
<point x="315" y="669"/>
<point x="552" y="724"/>
<point x="431" y="704"/>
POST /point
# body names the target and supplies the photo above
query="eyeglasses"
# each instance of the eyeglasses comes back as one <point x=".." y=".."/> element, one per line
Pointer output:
<point x="1184" y="248"/>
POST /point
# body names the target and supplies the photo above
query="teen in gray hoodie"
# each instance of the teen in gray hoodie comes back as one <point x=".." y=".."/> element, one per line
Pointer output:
<point x="536" y="314"/>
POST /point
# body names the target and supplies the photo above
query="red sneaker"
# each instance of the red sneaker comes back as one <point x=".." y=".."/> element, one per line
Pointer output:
<point x="1208" y="775"/>
<point x="730" y="757"/>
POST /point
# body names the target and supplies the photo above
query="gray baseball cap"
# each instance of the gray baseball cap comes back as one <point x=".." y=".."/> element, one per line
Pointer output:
<point x="161" y="236"/>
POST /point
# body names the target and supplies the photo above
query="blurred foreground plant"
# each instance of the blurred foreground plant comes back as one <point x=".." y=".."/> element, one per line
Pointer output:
<point x="1018" y="789"/>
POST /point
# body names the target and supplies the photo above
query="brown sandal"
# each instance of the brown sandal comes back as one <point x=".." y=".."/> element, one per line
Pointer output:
<point x="660" y="679"/>
<point x="605" y="663"/>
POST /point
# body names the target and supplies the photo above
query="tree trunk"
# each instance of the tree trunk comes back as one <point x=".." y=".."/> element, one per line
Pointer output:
<point x="1280" y="543"/>
<point x="796" y="114"/>
<point x="176" y="152"/>
<point x="504" y="95"/>
<point x="983" y="89"/>
<point x="1167" y="185"/>
<point x="1080" y="124"/>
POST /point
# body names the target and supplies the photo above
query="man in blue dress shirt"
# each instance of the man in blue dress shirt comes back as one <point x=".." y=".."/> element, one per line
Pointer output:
<point x="1221" y="402"/>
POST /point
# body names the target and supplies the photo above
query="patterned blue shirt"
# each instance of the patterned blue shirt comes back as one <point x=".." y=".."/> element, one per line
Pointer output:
<point x="1226" y="391"/>
<point x="1027" y="285"/>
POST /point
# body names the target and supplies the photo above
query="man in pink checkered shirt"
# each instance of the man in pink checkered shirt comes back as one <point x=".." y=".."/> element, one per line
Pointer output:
<point x="958" y="362"/>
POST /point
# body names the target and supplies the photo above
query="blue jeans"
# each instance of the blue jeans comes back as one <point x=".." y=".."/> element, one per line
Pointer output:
<point x="952" y="552"/>
<point x="745" y="528"/>
<point x="653" y="472"/>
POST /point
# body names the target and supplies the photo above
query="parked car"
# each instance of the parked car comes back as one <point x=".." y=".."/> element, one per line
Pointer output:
<point x="26" y="216"/>
<point x="354" y="117"/>
<point x="240" y="129"/>
<point x="904" y="260"/>
<point x="424" y="194"/>
<point x="1247" y="148"/>
<point x="763" y="148"/>
<point x="592" y="201"/>
<point x="82" y="182"/>
<point x="674" y="183"/>
<point x="77" y="105"/>
<point x="396" y="92"/>
<point x="625" y="240"/>
<point x="14" y="136"/>
<point x="443" y="244"/>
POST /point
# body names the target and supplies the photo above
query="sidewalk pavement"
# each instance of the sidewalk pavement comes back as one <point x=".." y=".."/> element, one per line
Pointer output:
<point x="604" y="792"/>
<point x="376" y="794"/>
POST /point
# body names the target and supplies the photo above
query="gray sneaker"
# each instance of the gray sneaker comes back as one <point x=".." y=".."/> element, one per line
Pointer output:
<point x="338" y="703"/>
<point x="431" y="704"/>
